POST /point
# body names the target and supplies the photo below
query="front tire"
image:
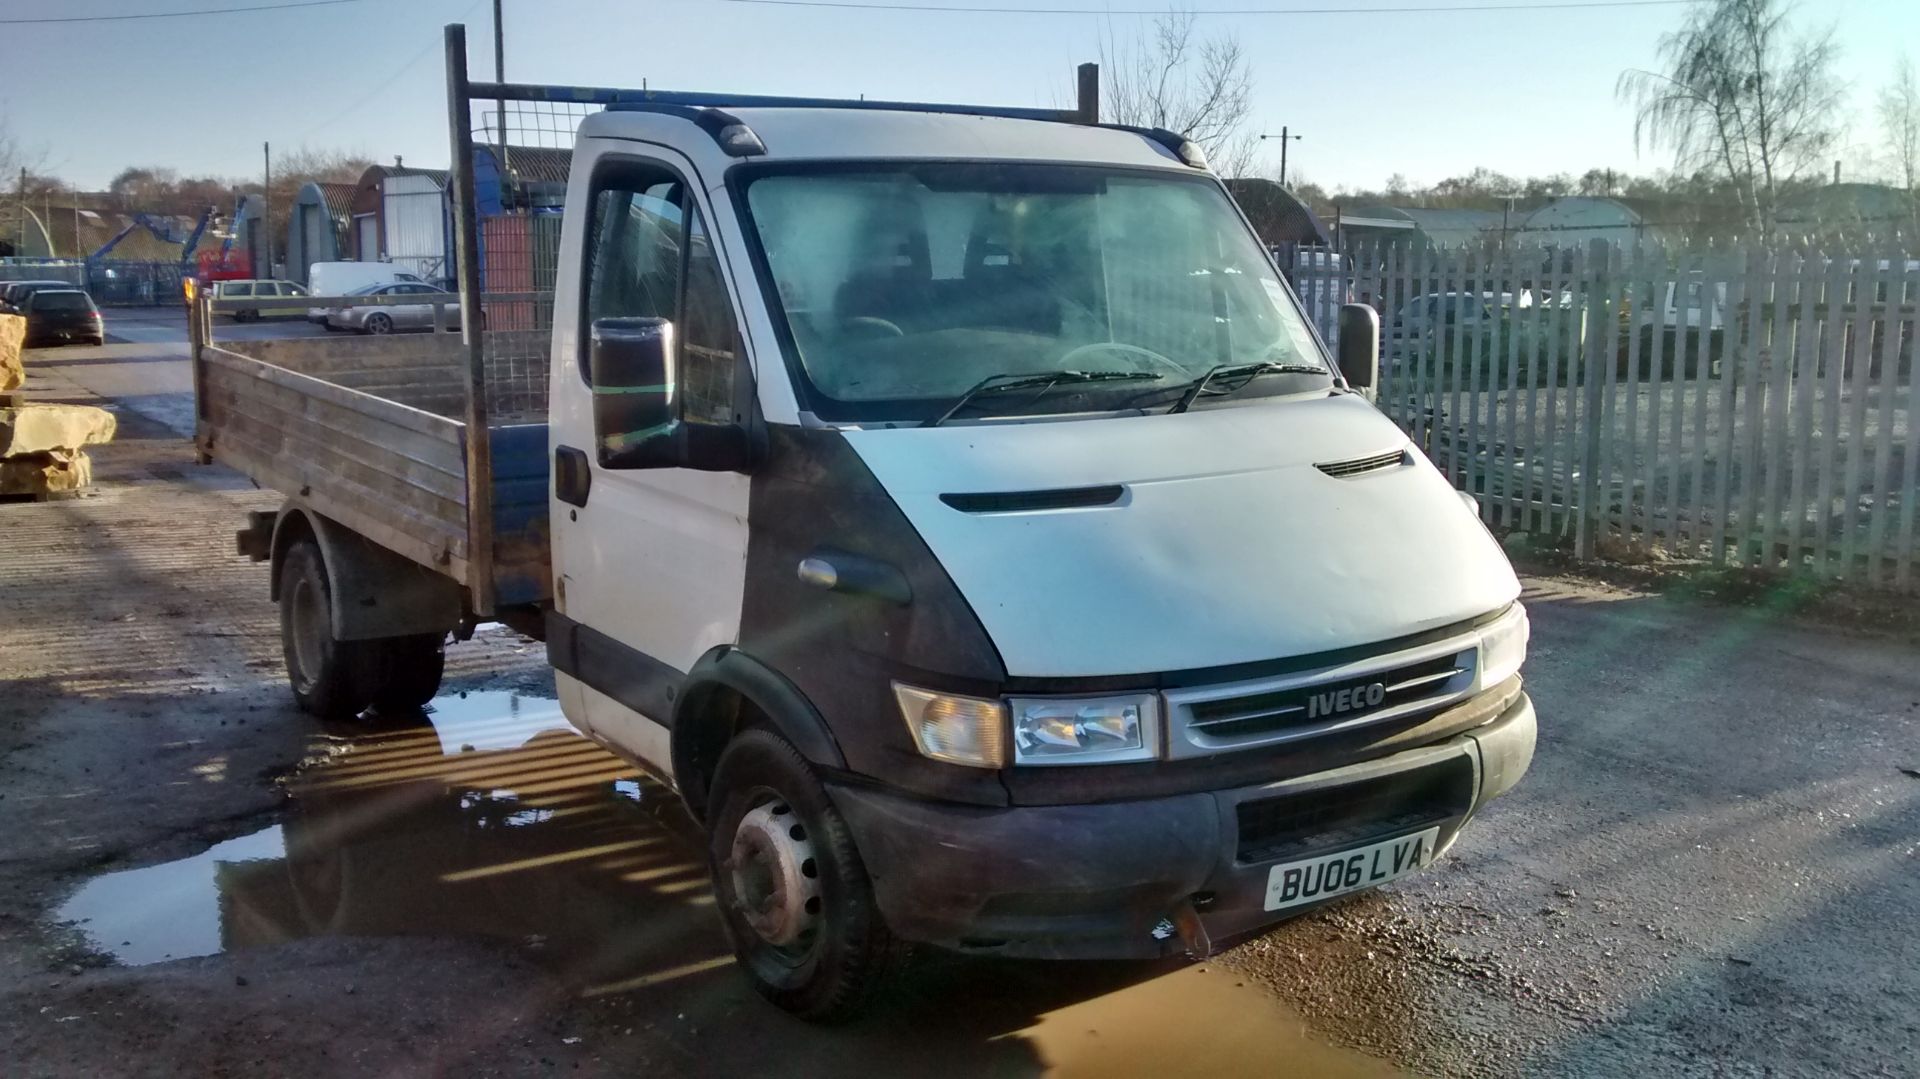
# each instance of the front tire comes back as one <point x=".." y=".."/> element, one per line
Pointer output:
<point x="791" y="886"/>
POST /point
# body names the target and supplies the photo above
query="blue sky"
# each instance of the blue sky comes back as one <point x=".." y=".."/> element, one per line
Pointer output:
<point x="1427" y="95"/>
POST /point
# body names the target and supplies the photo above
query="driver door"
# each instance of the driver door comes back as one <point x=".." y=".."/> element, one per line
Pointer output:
<point x="650" y="563"/>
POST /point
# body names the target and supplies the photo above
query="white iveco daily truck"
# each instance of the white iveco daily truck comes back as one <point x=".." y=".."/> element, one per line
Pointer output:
<point x="952" y="504"/>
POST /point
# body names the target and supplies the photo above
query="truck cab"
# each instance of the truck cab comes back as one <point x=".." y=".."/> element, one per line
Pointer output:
<point x="960" y="511"/>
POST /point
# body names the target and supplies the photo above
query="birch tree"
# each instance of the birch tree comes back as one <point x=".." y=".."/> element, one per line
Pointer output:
<point x="1735" y="94"/>
<point x="1899" y="108"/>
<point x="1173" y="79"/>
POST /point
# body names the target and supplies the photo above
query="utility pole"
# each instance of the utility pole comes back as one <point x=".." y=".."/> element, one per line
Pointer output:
<point x="1284" y="138"/>
<point x="20" y="237"/>
<point x="266" y="210"/>
<point x="500" y="76"/>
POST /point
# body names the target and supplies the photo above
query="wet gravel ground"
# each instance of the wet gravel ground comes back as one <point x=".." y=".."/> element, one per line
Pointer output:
<point x="1713" y="868"/>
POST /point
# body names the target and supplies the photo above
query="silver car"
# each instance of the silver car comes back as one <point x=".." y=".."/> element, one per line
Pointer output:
<point x="398" y="316"/>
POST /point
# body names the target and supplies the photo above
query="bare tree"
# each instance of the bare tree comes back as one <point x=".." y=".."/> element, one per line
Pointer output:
<point x="1200" y="88"/>
<point x="1899" y="108"/>
<point x="1736" y="96"/>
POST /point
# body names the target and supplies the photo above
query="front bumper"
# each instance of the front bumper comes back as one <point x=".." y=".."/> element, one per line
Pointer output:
<point x="1113" y="880"/>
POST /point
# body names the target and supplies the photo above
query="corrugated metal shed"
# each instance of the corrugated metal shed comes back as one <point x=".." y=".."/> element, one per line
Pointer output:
<point x="413" y="213"/>
<point x="368" y="233"/>
<point x="317" y="226"/>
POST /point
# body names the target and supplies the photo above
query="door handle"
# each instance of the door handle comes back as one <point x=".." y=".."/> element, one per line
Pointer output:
<point x="572" y="478"/>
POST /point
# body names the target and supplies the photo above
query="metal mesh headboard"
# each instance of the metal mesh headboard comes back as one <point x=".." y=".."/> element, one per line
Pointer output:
<point x="520" y="152"/>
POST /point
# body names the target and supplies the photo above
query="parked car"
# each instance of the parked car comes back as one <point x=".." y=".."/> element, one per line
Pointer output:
<point x="62" y="316"/>
<point x="13" y="294"/>
<point x="379" y="319"/>
<point x="278" y="299"/>
<point x="1423" y="314"/>
<point x="349" y="278"/>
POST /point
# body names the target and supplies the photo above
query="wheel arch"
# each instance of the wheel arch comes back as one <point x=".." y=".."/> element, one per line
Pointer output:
<point x="727" y="690"/>
<point x="373" y="591"/>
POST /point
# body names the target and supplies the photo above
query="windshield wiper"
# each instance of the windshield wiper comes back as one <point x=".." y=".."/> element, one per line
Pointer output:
<point x="1234" y="370"/>
<point x="1026" y="380"/>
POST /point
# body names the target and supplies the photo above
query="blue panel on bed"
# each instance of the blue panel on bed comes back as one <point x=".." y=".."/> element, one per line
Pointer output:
<point x="522" y="570"/>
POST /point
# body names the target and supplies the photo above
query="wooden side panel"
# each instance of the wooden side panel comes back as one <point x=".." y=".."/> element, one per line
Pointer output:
<point x="393" y="473"/>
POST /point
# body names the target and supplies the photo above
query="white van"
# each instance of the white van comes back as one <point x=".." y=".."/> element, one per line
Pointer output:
<point x="346" y="278"/>
<point x="953" y="505"/>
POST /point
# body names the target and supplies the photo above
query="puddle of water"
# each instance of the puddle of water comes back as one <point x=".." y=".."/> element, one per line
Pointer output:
<point x="166" y="911"/>
<point x="1190" y="1022"/>
<point x="493" y="818"/>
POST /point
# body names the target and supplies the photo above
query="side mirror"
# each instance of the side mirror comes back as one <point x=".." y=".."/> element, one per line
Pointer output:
<point x="637" y="421"/>
<point x="636" y="404"/>
<point x="1359" y="347"/>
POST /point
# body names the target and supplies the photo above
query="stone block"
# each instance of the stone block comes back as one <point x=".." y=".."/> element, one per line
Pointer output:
<point x="41" y="474"/>
<point x="13" y="334"/>
<point x="41" y="428"/>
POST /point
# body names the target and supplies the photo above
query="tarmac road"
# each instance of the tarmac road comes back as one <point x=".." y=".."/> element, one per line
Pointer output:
<point x="1713" y="868"/>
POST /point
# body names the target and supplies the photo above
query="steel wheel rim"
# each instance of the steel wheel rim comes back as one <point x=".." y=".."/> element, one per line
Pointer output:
<point x="308" y="618"/>
<point x="773" y="870"/>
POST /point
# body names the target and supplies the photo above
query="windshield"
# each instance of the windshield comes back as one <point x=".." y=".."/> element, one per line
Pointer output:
<point x="903" y="285"/>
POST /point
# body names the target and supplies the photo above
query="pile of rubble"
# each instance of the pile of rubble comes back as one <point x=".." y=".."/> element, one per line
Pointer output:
<point x="41" y="446"/>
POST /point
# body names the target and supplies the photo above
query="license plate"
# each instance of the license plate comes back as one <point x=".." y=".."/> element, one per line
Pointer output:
<point x="1313" y="879"/>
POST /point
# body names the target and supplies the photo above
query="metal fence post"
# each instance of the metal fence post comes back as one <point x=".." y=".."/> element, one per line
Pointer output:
<point x="466" y="245"/>
<point x="1592" y="516"/>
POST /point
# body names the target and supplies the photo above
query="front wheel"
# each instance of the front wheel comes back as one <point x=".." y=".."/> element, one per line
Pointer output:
<point x="791" y="886"/>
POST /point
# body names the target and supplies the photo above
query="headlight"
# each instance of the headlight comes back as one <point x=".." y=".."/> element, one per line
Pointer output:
<point x="1104" y="730"/>
<point x="1503" y="648"/>
<point x="959" y="730"/>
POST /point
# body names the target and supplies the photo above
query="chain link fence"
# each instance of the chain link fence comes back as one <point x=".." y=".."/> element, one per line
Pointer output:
<point x="113" y="282"/>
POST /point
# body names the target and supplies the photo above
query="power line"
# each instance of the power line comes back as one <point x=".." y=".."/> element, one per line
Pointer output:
<point x="382" y="86"/>
<point x="176" y="14"/>
<point x="1382" y="10"/>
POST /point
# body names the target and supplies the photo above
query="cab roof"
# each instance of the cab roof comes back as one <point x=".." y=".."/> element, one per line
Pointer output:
<point x="811" y="134"/>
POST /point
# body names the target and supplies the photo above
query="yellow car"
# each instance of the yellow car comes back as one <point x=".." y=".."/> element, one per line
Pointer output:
<point x="278" y="299"/>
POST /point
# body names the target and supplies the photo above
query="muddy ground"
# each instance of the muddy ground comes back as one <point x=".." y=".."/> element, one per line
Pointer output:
<point x="1714" y="867"/>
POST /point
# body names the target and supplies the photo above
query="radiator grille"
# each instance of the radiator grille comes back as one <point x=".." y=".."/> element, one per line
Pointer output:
<point x="1335" y="702"/>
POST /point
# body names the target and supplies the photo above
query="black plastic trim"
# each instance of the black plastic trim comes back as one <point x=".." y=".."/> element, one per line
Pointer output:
<point x="572" y="475"/>
<point x="1061" y="498"/>
<point x="628" y="675"/>
<point x="788" y="709"/>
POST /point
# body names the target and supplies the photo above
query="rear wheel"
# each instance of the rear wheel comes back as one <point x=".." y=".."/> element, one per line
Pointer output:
<point x="336" y="679"/>
<point x="791" y="886"/>
<point x="403" y="673"/>
<point x="379" y="323"/>
<point x="320" y="668"/>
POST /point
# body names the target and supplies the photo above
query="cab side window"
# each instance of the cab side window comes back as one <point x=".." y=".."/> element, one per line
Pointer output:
<point x="649" y="255"/>
<point x="709" y="334"/>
